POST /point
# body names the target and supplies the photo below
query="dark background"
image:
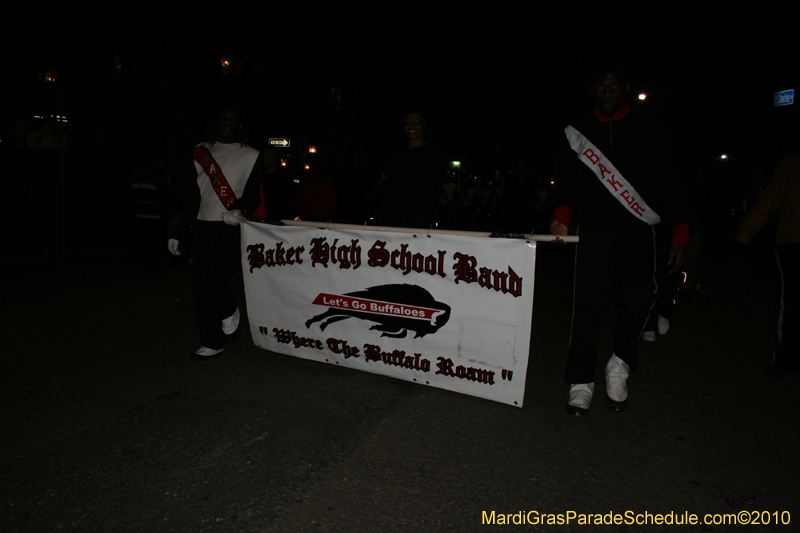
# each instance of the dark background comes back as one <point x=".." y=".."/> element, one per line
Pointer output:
<point x="496" y="87"/>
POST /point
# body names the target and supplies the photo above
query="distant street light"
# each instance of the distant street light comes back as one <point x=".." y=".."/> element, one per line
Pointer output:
<point x="642" y="96"/>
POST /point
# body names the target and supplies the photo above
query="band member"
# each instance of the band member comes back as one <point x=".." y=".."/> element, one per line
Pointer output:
<point x="229" y="176"/>
<point x="614" y="177"/>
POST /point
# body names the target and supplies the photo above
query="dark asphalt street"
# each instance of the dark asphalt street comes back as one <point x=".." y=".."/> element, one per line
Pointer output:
<point x="107" y="426"/>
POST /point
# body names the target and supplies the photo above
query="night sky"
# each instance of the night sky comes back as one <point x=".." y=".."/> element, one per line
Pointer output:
<point x="491" y="83"/>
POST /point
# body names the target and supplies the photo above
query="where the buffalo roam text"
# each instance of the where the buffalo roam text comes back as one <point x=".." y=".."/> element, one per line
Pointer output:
<point x="374" y="354"/>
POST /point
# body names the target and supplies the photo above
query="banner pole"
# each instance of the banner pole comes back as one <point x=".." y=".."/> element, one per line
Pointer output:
<point x="419" y="231"/>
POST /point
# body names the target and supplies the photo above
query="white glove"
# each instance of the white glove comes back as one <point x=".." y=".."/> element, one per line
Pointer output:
<point x="172" y="244"/>
<point x="233" y="217"/>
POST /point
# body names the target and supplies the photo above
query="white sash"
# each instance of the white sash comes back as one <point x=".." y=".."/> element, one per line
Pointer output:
<point x="609" y="176"/>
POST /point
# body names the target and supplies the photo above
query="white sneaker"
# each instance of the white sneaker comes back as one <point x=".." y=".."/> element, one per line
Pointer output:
<point x="580" y="397"/>
<point x="649" y="336"/>
<point x="207" y="352"/>
<point x="230" y="324"/>
<point x="663" y="325"/>
<point x="617" y="372"/>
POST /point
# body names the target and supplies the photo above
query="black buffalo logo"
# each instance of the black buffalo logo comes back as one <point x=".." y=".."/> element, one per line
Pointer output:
<point x="392" y="325"/>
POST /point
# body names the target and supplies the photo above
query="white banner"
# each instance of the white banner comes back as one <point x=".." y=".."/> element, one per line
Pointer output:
<point x="452" y="312"/>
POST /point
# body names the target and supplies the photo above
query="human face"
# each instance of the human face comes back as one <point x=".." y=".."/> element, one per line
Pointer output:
<point x="269" y="158"/>
<point x="414" y="127"/>
<point x="610" y="91"/>
<point x="229" y="125"/>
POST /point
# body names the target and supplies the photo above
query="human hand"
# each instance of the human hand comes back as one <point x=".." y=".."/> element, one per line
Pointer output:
<point x="558" y="229"/>
<point x="172" y="245"/>
<point x="677" y="255"/>
<point x="233" y="217"/>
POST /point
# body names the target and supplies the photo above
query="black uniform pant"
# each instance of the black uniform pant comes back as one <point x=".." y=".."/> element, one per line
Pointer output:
<point x="668" y="283"/>
<point x="787" y="354"/>
<point x="622" y="256"/>
<point x="215" y="255"/>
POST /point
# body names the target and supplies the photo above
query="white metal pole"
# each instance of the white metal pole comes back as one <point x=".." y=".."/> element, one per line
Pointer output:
<point x="417" y="231"/>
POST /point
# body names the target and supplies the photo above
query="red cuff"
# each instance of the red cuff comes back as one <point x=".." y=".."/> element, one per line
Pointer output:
<point x="238" y="204"/>
<point x="680" y="234"/>
<point x="564" y="215"/>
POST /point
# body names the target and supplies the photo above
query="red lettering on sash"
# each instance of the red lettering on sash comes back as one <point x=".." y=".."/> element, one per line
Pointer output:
<point x="591" y="156"/>
<point x="639" y="210"/>
<point x="612" y="180"/>
<point x="626" y="195"/>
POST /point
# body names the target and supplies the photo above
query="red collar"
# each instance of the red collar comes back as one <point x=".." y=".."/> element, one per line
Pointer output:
<point x="617" y="116"/>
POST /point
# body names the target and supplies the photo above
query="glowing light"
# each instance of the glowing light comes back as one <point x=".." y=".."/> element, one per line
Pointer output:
<point x="307" y="166"/>
<point x="642" y="96"/>
<point x="312" y="149"/>
<point x="724" y="156"/>
<point x="455" y="164"/>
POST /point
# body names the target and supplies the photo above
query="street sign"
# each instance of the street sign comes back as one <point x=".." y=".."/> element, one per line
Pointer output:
<point x="280" y="142"/>
<point x="783" y="98"/>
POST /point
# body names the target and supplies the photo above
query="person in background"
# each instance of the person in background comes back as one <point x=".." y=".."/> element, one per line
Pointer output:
<point x="316" y="198"/>
<point x="276" y="191"/>
<point x="782" y="195"/>
<point x="147" y="205"/>
<point x="410" y="189"/>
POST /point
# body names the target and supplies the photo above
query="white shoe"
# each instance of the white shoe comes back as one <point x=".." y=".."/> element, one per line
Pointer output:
<point x="649" y="336"/>
<point x="230" y="324"/>
<point x="580" y="397"/>
<point x="663" y="325"/>
<point x="207" y="352"/>
<point x="617" y="372"/>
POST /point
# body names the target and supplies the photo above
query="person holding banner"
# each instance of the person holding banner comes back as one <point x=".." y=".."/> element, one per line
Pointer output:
<point x="229" y="176"/>
<point x="615" y="177"/>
